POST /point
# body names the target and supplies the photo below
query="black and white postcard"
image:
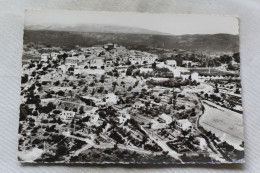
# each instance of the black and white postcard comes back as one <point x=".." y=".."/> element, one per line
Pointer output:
<point x="115" y="87"/>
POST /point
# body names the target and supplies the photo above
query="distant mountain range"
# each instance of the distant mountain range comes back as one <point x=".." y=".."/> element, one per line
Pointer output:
<point x="95" y="28"/>
<point x="86" y="35"/>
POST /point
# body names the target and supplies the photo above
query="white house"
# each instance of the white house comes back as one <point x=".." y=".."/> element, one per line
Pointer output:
<point x="54" y="56"/>
<point x="78" y="69"/>
<point x="138" y="105"/>
<point x="149" y="58"/>
<point x="135" y="60"/>
<point x="171" y="63"/>
<point x="45" y="57"/>
<point x="72" y="61"/>
<point x="166" y="118"/>
<point x="184" y="124"/>
<point x="195" y="76"/>
<point x="93" y="116"/>
<point x="144" y="58"/>
<point x="96" y="63"/>
<point x="97" y="101"/>
<point x="176" y="72"/>
<point x="185" y="76"/>
<point x="177" y="90"/>
<point x="67" y="115"/>
<point x="111" y="98"/>
<point x="187" y="63"/>
<point x="47" y="100"/>
<point x="82" y="58"/>
<point x="63" y="68"/>
<point x="202" y="143"/>
<point x="145" y="70"/>
<point x="123" y="117"/>
<point x="109" y="62"/>
<point x="110" y="46"/>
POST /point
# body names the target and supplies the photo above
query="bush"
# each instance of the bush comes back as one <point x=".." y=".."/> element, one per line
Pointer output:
<point x="56" y="83"/>
<point x="45" y="121"/>
<point x="60" y="93"/>
<point x="56" y="111"/>
<point x="24" y="79"/>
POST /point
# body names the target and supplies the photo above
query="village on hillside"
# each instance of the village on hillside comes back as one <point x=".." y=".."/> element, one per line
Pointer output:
<point x="110" y="103"/>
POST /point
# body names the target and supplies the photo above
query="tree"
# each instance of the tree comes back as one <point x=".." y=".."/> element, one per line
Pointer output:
<point x="193" y="113"/>
<point x="242" y="144"/>
<point x="93" y="92"/>
<point x="24" y="111"/>
<point x="154" y="65"/>
<point x="39" y="66"/>
<point x="236" y="57"/>
<point x="114" y="85"/>
<point x="174" y="100"/>
<point x="59" y="121"/>
<point x="92" y="84"/>
<point x="206" y="95"/>
<point x="129" y="71"/>
<point x="81" y="110"/>
<point x="230" y="67"/>
<point x="35" y="113"/>
<point x="24" y="79"/>
<point x="48" y="108"/>
<point x="60" y="93"/>
<point x="129" y="88"/>
<point x="71" y="69"/>
<point x="75" y="110"/>
<point x="237" y="91"/>
<point x="85" y="89"/>
<point x="116" y="64"/>
<point x="114" y="135"/>
<point x="203" y="109"/>
<point x="100" y="90"/>
<point x="81" y="82"/>
<point x="62" y="149"/>
<point x="136" y="83"/>
<point x="56" y="83"/>
<point x="128" y="63"/>
<point x="102" y="79"/>
<point x="56" y="111"/>
<point x="71" y="84"/>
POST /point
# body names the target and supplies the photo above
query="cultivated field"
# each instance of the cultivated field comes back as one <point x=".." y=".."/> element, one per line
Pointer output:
<point x="226" y="124"/>
<point x="213" y="71"/>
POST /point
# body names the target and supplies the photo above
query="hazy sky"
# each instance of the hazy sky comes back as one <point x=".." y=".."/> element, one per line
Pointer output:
<point x="175" y="24"/>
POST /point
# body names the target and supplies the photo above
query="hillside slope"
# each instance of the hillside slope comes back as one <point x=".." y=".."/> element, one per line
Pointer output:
<point x="217" y="43"/>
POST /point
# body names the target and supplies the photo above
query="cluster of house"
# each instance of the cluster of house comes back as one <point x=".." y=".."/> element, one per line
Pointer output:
<point x="138" y="57"/>
<point x="102" y="57"/>
<point x="189" y="63"/>
<point x="163" y="120"/>
<point x="109" y="98"/>
<point x="67" y="116"/>
<point x="99" y="57"/>
<point x="94" y="118"/>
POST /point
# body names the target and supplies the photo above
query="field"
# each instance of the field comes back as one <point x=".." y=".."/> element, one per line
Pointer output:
<point x="213" y="71"/>
<point x="226" y="124"/>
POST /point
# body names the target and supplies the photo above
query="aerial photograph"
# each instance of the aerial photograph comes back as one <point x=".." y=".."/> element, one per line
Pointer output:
<point x="114" y="87"/>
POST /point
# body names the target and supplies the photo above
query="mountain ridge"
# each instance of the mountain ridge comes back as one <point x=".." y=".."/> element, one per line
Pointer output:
<point x="214" y="44"/>
<point x="95" y="28"/>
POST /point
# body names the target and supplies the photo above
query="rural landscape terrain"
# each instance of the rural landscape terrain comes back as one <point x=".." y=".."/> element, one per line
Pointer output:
<point x="100" y="97"/>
